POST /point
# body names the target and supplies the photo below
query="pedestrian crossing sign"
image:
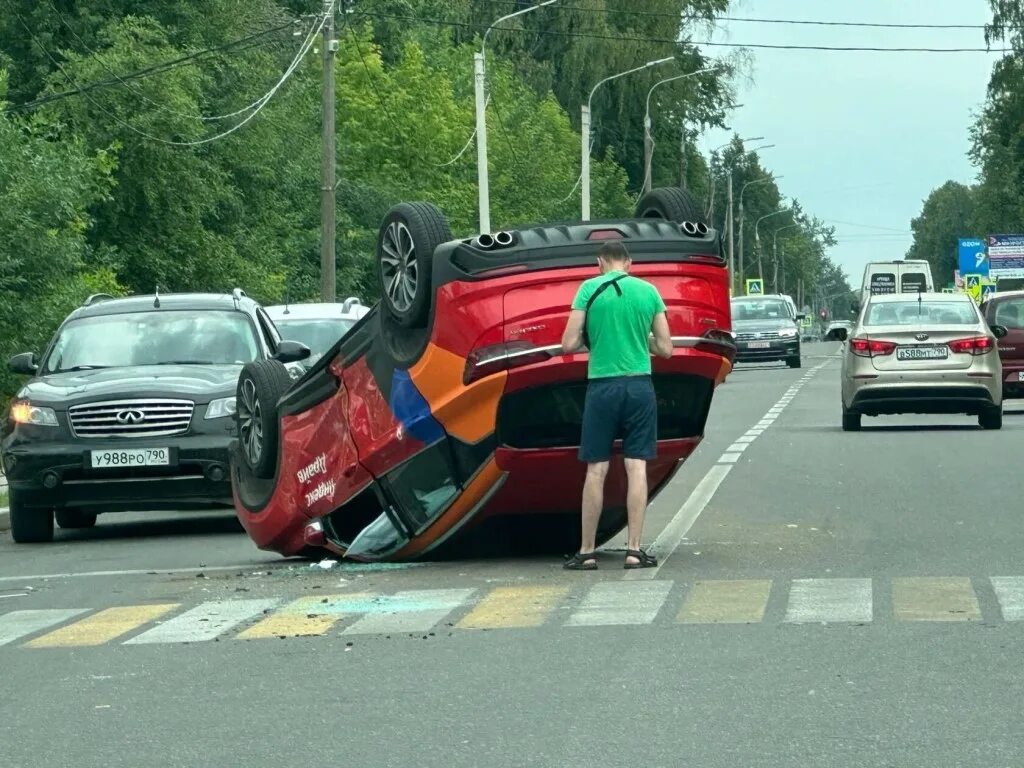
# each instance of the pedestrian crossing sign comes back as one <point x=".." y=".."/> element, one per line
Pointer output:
<point x="988" y="287"/>
<point x="755" y="287"/>
<point x="972" y="285"/>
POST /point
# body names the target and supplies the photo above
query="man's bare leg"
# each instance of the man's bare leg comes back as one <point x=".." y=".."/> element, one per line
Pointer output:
<point x="636" y="502"/>
<point x="593" y="503"/>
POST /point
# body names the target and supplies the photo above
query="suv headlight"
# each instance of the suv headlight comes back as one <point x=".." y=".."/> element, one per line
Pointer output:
<point x="217" y="409"/>
<point x="787" y="333"/>
<point x="23" y="412"/>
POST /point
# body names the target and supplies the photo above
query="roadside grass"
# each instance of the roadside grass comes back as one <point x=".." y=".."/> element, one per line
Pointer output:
<point x="3" y="499"/>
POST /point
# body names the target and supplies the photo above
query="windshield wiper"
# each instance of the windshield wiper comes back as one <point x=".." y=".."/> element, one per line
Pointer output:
<point x="83" y="367"/>
<point x="186" y="362"/>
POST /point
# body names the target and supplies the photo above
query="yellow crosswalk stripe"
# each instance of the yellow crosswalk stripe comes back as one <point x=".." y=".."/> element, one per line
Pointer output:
<point x="934" y="599"/>
<point x="307" y="616"/>
<point x="102" y="627"/>
<point x="512" y="607"/>
<point x="740" y="601"/>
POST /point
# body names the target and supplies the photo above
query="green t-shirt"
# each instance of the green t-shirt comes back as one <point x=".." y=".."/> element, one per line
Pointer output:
<point x="619" y="325"/>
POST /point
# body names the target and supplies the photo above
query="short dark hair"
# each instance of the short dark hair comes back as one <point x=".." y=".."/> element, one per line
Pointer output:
<point x="613" y="250"/>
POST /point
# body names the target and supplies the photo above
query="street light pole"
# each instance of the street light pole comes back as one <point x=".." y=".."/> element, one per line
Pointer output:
<point x="711" y="174"/>
<point x="742" y="192"/>
<point x="775" y="259"/>
<point x="480" y="93"/>
<point x="757" y="237"/>
<point x="648" y="139"/>
<point x="328" y="139"/>
<point x="585" y="131"/>
<point x="728" y="221"/>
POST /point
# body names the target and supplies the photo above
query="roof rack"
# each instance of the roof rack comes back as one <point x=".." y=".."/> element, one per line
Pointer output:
<point x="93" y="298"/>
<point x="238" y="294"/>
<point x="350" y="302"/>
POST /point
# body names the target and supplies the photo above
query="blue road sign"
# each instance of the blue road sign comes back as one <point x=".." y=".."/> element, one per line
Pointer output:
<point x="973" y="256"/>
<point x="987" y="289"/>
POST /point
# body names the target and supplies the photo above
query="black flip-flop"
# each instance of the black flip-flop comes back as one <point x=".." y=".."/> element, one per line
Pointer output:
<point x="646" y="560"/>
<point x="581" y="562"/>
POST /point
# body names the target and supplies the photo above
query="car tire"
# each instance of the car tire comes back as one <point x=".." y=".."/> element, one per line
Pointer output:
<point x="794" y="362"/>
<point x="851" y="421"/>
<point x="405" y="255"/>
<point x="991" y="418"/>
<point x="260" y="385"/>
<point x="75" y="518"/>
<point x="671" y="203"/>
<point x="30" y="525"/>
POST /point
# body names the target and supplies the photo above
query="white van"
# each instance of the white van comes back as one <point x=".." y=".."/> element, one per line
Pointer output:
<point x="904" y="276"/>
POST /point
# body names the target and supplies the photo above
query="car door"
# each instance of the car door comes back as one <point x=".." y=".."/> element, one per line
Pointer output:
<point x="1008" y="312"/>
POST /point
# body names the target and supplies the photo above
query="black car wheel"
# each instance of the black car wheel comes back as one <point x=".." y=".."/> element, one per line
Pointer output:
<point x="851" y="421"/>
<point x="672" y="203"/>
<point x="75" y="518"/>
<point x="793" y="362"/>
<point x="991" y="418"/>
<point x="405" y="254"/>
<point x="260" y="385"/>
<point x="30" y="525"/>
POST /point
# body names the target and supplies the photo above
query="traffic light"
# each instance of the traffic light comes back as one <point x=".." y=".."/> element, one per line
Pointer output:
<point x="824" y="314"/>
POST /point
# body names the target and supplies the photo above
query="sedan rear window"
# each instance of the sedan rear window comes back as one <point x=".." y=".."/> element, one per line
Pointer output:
<point x="913" y="312"/>
<point x="1010" y="313"/>
<point x="200" y="337"/>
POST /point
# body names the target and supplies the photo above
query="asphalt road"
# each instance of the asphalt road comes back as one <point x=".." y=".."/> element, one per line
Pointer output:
<point x="827" y="599"/>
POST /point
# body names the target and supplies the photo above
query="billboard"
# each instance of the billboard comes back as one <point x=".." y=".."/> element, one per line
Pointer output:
<point x="1006" y="256"/>
<point x="972" y="257"/>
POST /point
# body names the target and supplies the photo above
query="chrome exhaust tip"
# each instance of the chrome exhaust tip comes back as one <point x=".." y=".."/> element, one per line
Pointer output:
<point x="503" y="238"/>
<point x="702" y="229"/>
<point x="484" y="241"/>
<point x="689" y="227"/>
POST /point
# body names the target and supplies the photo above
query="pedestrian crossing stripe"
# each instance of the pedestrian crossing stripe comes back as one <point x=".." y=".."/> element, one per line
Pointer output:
<point x="571" y="606"/>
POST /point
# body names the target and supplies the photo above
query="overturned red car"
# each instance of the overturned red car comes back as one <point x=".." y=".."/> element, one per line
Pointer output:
<point x="447" y="420"/>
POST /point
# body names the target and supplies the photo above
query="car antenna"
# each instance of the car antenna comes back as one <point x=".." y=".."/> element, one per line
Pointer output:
<point x="286" y="302"/>
<point x="156" y="298"/>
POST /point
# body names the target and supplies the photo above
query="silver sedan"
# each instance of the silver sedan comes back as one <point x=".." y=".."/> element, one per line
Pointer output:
<point x="921" y="353"/>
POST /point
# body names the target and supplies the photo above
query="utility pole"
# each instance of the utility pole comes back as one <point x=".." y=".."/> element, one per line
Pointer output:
<point x="728" y="221"/>
<point x="683" y="157"/>
<point x="585" y="161"/>
<point x="740" y="274"/>
<point x="484" y="192"/>
<point x="647" y="154"/>
<point x="328" y="263"/>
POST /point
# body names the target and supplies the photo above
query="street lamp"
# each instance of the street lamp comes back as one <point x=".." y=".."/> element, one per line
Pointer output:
<point x="711" y="174"/>
<point x="775" y="258"/>
<point x="757" y="236"/>
<point x="585" y="130"/>
<point x="483" y="188"/>
<point x="762" y="180"/>
<point x="648" y="141"/>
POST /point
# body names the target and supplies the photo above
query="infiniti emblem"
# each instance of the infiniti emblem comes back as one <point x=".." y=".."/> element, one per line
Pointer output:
<point x="921" y="336"/>
<point x="130" y="416"/>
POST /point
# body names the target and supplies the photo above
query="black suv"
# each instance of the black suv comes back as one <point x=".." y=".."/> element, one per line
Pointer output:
<point x="130" y="408"/>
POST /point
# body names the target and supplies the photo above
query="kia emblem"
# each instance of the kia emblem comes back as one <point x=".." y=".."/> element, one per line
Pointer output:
<point x="921" y="336"/>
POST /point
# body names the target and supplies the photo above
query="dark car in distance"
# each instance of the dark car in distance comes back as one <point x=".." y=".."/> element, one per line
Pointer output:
<point x="766" y="330"/>
<point x="131" y="407"/>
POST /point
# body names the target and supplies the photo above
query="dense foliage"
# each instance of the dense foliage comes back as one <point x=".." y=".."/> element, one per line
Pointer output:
<point x="111" y="178"/>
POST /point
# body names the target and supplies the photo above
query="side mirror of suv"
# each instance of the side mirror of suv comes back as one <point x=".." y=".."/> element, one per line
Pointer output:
<point x="24" y="363"/>
<point x="999" y="331"/>
<point x="291" y="352"/>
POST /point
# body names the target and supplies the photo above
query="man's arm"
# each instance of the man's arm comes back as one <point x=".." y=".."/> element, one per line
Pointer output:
<point x="660" y="341"/>
<point x="572" y="338"/>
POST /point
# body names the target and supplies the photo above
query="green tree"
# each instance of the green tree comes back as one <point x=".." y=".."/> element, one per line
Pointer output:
<point x="947" y="214"/>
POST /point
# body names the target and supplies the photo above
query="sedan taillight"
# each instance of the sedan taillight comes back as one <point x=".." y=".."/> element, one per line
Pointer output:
<point x="977" y="345"/>
<point x="871" y="347"/>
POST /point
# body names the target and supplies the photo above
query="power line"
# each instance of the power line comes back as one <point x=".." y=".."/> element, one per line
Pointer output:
<point x="674" y="42"/>
<point x="244" y="43"/>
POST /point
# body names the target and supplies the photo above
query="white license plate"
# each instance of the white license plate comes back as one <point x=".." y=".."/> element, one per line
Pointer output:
<point x="136" y="457"/>
<point x="1020" y="376"/>
<point x="936" y="352"/>
<point x="759" y="345"/>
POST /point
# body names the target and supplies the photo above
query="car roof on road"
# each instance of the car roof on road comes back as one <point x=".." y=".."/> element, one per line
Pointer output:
<point x="886" y="298"/>
<point x="317" y="310"/>
<point x="168" y="301"/>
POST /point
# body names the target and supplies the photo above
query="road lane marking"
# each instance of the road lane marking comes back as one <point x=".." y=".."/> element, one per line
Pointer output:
<point x="745" y="439"/>
<point x="737" y="447"/>
<point x="19" y="624"/>
<point x="728" y="458"/>
<point x="102" y="627"/>
<point x="829" y="601"/>
<point x="934" y="599"/>
<point x="618" y="603"/>
<point x="726" y="602"/>
<point x="304" y="617"/>
<point x="673" y="534"/>
<point x="136" y="572"/>
<point x="514" y="607"/>
<point x="417" y="610"/>
<point x="1010" y="594"/>
<point x="204" y="622"/>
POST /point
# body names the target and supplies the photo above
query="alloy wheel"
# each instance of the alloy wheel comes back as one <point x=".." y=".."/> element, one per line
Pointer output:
<point x="250" y="423"/>
<point x="399" y="266"/>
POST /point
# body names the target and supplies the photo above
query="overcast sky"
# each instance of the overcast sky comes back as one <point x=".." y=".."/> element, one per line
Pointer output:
<point x="861" y="137"/>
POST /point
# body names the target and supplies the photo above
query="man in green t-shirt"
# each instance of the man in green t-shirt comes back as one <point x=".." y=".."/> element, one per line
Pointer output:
<point x="621" y="320"/>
